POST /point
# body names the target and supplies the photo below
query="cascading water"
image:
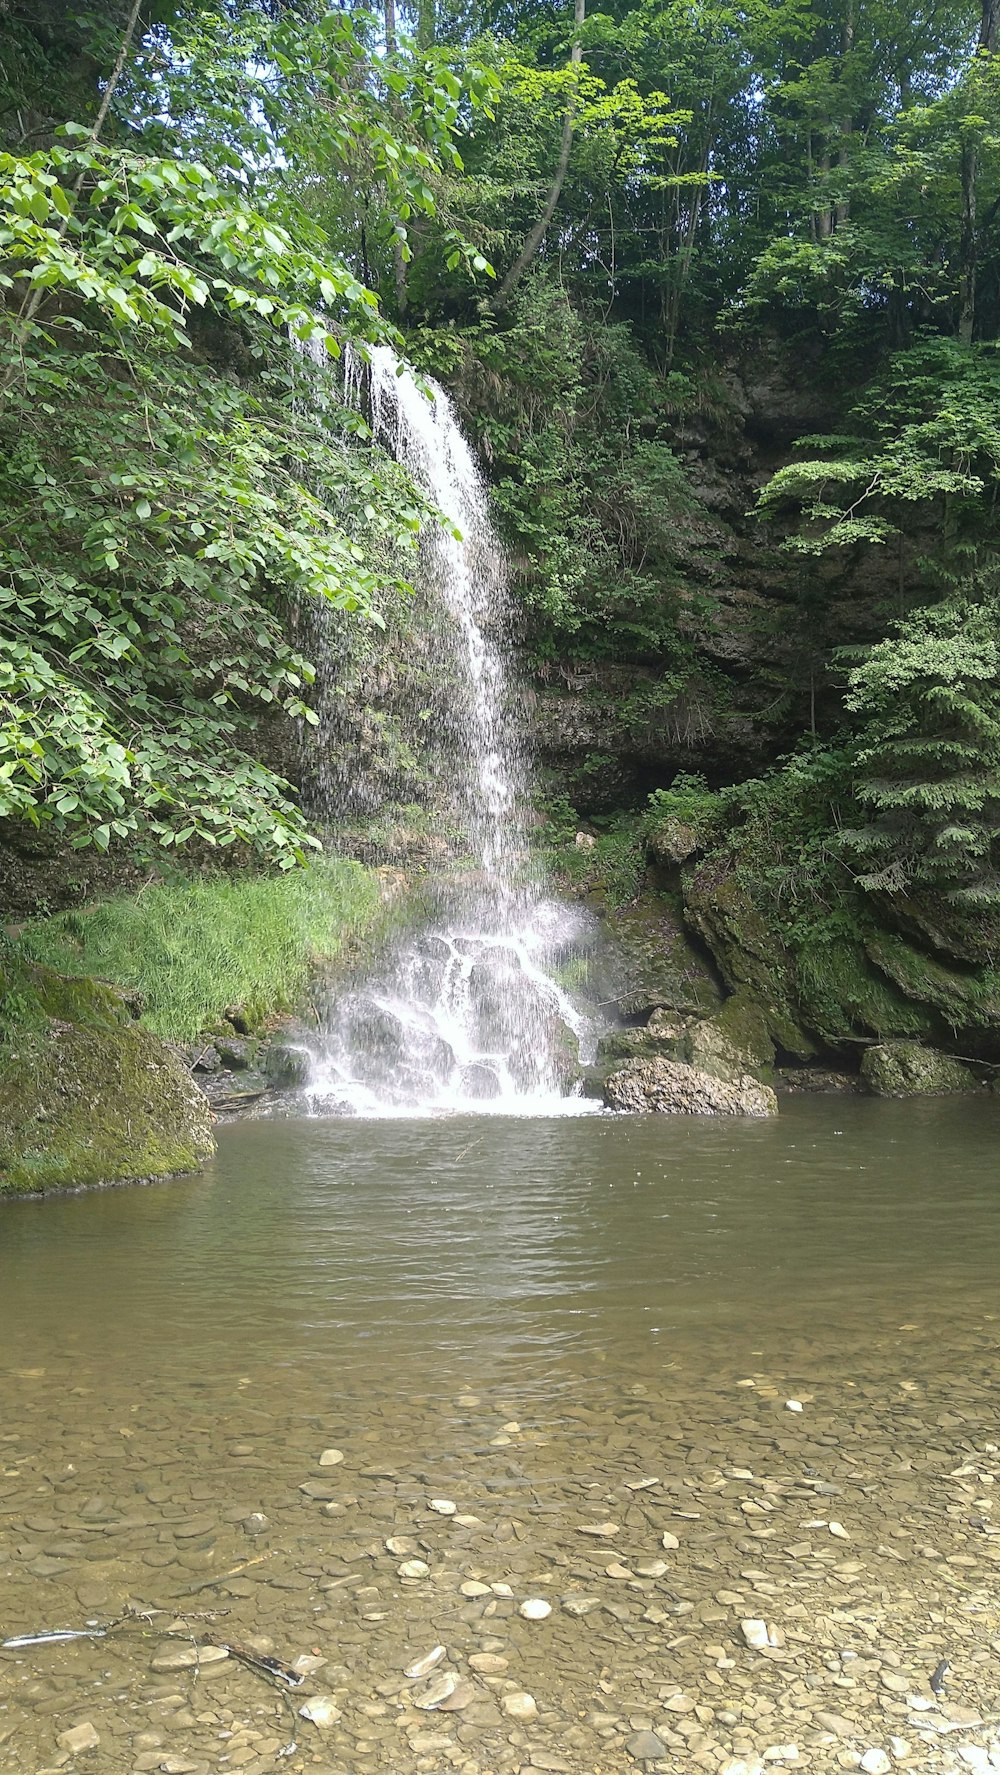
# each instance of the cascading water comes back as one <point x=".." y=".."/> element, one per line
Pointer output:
<point x="466" y="1014"/>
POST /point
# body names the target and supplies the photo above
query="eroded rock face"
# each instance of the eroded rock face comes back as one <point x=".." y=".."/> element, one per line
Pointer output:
<point x="906" y="1069"/>
<point x="668" y="1087"/>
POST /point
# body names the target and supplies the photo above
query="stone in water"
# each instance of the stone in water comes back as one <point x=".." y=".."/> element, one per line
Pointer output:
<point x="437" y="1690"/>
<point x="875" y="1762"/>
<point x="602" y="1529"/>
<point x="520" y="1706"/>
<point x="423" y="1666"/>
<point x="646" y="1747"/>
<point x="79" y="1738"/>
<point x="755" y="1634"/>
<point x="669" y="1542"/>
<point x="793" y="1405"/>
<point x="443" y="1506"/>
<point x="331" y="1457"/>
<point x="535" y="1608"/>
<point x="413" y="1568"/>
<point x="322" y="1710"/>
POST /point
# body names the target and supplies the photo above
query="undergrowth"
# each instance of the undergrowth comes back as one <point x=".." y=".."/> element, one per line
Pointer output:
<point x="194" y="947"/>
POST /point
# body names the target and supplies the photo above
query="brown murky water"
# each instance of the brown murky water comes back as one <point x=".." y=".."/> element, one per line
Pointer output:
<point x="558" y="1327"/>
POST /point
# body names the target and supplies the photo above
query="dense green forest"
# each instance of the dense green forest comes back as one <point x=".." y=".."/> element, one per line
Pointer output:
<point x="717" y="289"/>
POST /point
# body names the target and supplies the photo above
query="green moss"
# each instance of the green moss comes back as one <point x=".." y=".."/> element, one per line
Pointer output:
<point x="964" y="997"/>
<point x="841" y="994"/>
<point x="751" y="957"/>
<point x="648" y="961"/>
<point x="87" y="1096"/>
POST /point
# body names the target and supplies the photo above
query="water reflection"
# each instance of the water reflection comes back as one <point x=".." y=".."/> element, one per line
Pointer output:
<point x="408" y="1244"/>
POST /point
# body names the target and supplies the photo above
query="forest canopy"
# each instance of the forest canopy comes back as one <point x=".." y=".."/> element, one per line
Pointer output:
<point x="587" y="220"/>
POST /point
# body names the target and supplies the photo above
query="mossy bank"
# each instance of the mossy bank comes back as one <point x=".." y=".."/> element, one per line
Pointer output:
<point x="104" y="1010"/>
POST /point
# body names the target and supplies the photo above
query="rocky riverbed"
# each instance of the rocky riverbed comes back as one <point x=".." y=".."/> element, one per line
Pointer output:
<point x="731" y="1564"/>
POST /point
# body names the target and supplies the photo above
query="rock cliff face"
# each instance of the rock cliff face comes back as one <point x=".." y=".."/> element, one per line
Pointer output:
<point x="88" y="1097"/>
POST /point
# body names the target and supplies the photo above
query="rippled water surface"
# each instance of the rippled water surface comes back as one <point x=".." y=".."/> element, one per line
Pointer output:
<point x="397" y="1249"/>
<point x="526" y="1318"/>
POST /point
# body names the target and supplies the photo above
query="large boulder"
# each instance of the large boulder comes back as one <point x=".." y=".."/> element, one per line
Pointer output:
<point x="668" y="1087"/>
<point x="907" y="1069"/>
<point x="87" y="1096"/>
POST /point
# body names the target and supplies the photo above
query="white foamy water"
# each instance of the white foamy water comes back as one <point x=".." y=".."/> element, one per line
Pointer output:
<point x="467" y="1013"/>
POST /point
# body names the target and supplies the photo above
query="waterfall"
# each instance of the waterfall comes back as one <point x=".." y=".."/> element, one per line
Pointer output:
<point x="466" y="1014"/>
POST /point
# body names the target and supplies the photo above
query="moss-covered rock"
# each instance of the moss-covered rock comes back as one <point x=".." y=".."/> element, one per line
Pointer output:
<point x="906" y="1069"/>
<point x="86" y="1095"/>
<point x="965" y="997"/>
<point x="744" y="948"/>
<point x="648" y="962"/>
<point x="734" y="1042"/>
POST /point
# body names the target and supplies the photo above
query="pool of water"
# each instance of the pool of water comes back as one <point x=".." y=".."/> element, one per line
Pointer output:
<point x="523" y="1317"/>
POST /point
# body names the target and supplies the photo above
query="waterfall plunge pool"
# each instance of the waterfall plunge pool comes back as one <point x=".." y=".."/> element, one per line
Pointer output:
<point x="557" y="1360"/>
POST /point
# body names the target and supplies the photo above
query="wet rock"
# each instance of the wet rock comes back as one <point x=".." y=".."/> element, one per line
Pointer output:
<point x="876" y="1762"/>
<point x="287" y="1064"/>
<point x="519" y="1706"/>
<point x="331" y="1457"/>
<point x="235" y="1052"/>
<point x="181" y="1655"/>
<point x="322" y="1710"/>
<point x="535" y="1608"/>
<point x="669" y="1087"/>
<point x="439" y="1689"/>
<point x="906" y="1069"/>
<point x="77" y="1739"/>
<point x="423" y="1666"/>
<point x="646" y="1747"/>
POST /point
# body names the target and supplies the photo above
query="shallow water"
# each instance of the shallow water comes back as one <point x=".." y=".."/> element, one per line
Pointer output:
<point x="638" y="1298"/>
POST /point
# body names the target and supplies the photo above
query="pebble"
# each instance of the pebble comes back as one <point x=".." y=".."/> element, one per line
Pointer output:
<point x="488" y="1663"/>
<point x="423" y="1666"/>
<point x="413" y="1568"/>
<point x="437" y="1690"/>
<point x="331" y="1457"/>
<point x="535" y="1608"/>
<point x="669" y="1542"/>
<point x="645" y="1747"/>
<point x="519" y="1706"/>
<point x="77" y="1739"/>
<point x="322" y="1710"/>
<point x="875" y="1762"/>
<point x="755" y="1634"/>
<point x="793" y="1405"/>
<point x="443" y="1506"/>
<point x="472" y="1588"/>
<point x="604" y="1529"/>
<point x="182" y="1655"/>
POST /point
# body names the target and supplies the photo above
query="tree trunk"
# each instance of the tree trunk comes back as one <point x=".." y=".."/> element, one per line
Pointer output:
<point x="989" y="30"/>
<point x="539" y="231"/>
<point x="398" y="262"/>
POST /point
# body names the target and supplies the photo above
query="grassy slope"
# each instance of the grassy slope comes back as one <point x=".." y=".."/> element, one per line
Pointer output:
<point x="195" y="947"/>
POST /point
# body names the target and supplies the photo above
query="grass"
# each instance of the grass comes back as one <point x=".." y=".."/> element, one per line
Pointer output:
<point x="192" y="948"/>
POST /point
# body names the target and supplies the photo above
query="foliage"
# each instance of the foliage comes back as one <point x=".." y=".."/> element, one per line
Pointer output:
<point x="927" y="769"/>
<point x="193" y="947"/>
<point x="928" y="430"/>
<point x="171" y="490"/>
<point x="689" y="801"/>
